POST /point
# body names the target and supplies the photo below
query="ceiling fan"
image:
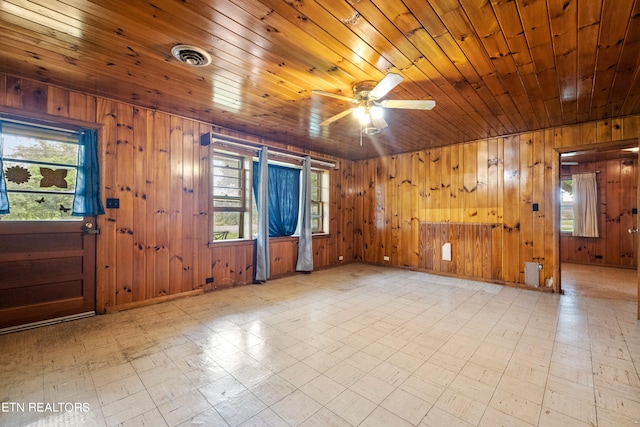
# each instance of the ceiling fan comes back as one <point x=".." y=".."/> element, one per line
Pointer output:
<point x="369" y="107"/>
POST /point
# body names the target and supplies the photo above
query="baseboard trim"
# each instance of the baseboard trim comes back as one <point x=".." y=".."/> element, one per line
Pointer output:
<point x="47" y="322"/>
<point x="151" y="301"/>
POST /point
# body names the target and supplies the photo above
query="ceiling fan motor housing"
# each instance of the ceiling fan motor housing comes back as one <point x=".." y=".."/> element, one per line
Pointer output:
<point x="361" y="90"/>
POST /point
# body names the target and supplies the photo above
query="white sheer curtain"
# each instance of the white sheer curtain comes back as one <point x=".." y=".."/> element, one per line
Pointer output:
<point x="262" y="264"/>
<point x="585" y="205"/>
<point x="305" y="248"/>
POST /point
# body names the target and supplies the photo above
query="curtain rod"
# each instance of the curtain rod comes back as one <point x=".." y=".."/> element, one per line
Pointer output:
<point x="233" y="142"/>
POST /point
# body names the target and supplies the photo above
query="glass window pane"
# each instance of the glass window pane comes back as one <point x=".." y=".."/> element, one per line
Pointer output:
<point x="226" y="181"/>
<point x="227" y="173"/>
<point x="315" y="193"/>
<point x="315" y="209"/>
<point x="228" y="222"/>
<point x="566" y="218"/>
<point x="39" y="150"/>
<point x="221" y="161"/>
<point x="39" y="207"/>
<point x="226" y="192"/>
<point x="566" y="190"/>
<point x="37" y="177"/>
<point x="227" y="203"/>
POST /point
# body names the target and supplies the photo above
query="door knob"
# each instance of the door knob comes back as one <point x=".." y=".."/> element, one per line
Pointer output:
<point x="633" y="230"/>
<point x="89" y="229"/>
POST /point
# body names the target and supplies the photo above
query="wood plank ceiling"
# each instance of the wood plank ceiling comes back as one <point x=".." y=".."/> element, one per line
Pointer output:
<point x="494" y="67"/>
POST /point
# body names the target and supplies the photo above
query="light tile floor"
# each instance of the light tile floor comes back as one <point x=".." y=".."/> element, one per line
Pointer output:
<point x="356" y="345"/>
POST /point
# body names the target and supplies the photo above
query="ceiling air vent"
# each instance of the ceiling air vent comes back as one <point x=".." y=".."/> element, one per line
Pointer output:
<point x="191" y="55"/>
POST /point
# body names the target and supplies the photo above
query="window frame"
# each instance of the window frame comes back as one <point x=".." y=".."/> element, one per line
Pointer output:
<point x="245" y="205"/>
<point x="248" y="214"/>
<point x="320" y="216"/>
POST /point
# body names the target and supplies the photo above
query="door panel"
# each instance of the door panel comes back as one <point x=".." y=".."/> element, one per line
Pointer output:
<point x="47" y="270"/>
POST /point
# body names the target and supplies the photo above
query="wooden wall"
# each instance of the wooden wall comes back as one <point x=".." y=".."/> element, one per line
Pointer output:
<point x="156" y="244"/>
<point x="493" y="182"/>
<point x="617" y="189"/>
<point x="476" y="249"/>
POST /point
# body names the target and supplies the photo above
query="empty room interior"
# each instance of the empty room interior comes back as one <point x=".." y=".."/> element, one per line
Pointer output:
<point x="319" y="213"/>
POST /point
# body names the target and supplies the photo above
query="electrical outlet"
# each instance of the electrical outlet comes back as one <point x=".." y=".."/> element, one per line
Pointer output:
<point x="340" y="258"/>
<point x="386" y="258"/>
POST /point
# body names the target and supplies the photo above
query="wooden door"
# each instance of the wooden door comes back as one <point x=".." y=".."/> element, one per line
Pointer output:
<point x="47" y="270"/>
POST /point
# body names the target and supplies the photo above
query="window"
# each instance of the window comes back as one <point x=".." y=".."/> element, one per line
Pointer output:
<point x="231" y="216"/>
<point x="40" y="167"/>
<point x="317" y="202"/>
<point x="566" y="206"/>
<point x="233" y="208"/>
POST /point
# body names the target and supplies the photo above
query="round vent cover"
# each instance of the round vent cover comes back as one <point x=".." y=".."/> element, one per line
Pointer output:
<point x="191" y="55"/>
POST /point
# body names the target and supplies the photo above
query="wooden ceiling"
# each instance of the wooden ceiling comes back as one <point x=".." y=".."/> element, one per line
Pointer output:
<point x="494" y="67"/>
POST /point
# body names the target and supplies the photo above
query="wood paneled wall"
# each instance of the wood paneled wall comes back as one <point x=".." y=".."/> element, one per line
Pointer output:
<point x="492" y="182"/>
<point x="156" y="244"/>
<point x="476" y="249"/>
<point x="232" y="262"/>
<point x="617" y="190"/>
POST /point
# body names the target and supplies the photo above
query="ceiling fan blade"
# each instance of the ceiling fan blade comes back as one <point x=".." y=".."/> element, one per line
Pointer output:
<point x="389" y="81"/>
<point x="378" y="122"/>
<point x="333" y="95"/>
<point x="408" y="104"/>
<point x="336" y="117"/>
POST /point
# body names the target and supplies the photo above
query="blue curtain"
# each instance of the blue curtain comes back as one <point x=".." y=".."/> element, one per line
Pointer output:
<point x="261" y="181"/>
<point x="284" y="199"/>
<point x="4" y="201"/>
<point x="305" y="244"/>
<point x="86" y="201"/>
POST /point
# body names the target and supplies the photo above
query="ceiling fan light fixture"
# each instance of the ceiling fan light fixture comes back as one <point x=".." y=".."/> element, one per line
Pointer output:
<point x="362" y="115"/>
<point x="369" y="110"/>
<point x="376" y="112"/>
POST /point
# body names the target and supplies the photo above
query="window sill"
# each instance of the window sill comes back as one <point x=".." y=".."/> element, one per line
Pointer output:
<point x="230" y="242"/>
<point x="570" y="234"/>
<point x="240" y="242"/>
